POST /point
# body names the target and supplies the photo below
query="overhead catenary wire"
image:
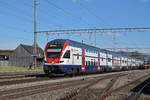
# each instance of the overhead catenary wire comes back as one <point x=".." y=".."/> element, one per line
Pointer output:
<point x="70" y="14"/>
<point x="98" y="30"/>
<point x="27" y="18"/>
<point x="100" y="20"/>
<point x="17" y="9"/>
<point x="16" y="28"/>
<point x="130" y="44"/>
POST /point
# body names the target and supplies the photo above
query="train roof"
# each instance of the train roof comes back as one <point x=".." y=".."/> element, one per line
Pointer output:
<point x="78" y="44"/>
<point x="89" y="47"/>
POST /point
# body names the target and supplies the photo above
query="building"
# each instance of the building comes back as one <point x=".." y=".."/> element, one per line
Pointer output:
<point x="23" y="56"/>
<point x="4" y="57"/>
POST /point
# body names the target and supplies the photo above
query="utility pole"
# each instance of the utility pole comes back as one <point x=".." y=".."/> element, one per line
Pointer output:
<point x="35" y="36"/>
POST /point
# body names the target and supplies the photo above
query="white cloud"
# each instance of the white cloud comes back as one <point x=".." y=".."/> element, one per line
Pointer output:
<point x="74" y="1"/>
<point x="86" y="0"/>
<point x="144" y="1"/>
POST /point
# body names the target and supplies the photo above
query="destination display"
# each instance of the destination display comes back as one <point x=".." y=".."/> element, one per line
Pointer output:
<point x="53" y="50"/>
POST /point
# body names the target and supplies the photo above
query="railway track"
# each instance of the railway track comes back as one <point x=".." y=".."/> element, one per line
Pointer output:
<point x="12" y="77"/>
<point x="19" y="73"/>
<point x="34" y="78"/>
<point x="137" y="91"/>
<point x="106" y="92"/>
<point x="16" y="93"/>
<point x="102" y="97"/>
<point x="22" y="81"/>
<point x="21" y="76"/>
<point x="108" y="89"/>
<point x="75" y="93"/>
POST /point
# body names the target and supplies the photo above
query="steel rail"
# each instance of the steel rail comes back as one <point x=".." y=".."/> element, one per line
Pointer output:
<point x="22" y="81"/>
<point x="77" y="92"/>
<point x="16" y="93"/>
<point x="18" y="73"/>
<point x="108" y="87"/>
<point x="134" y="96"/>
<point x="121" y="87"/>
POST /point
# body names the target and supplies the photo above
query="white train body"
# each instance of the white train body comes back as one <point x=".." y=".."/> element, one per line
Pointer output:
<point x="64" y="56"/>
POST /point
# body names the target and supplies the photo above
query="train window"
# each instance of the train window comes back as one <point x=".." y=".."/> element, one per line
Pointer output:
<point x="123" y="61"/>
<point x="67" y="54"/>
<point x="85" y="50"/>
<point x="108" y="59"/>
<point x="96" y="64"/>
<point x="86" y="63"/>
<point x="102" y="59"/>
<point x="77" y="56"/>
<point x="89" y="63"/>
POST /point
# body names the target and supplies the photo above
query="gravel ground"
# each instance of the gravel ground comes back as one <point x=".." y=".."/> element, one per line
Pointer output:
<point x="123" y="93"/>
<point x="130" y="77"/>
<point x="51" y="95"/>
<point x="27" y="71"/>
<point x="144" y="97"/>
<point x="3" y="80"/>
<point x="89" y="94"/>
<point x="49" y="81"/>
<point x="8" y="73"/>
<point x="93" y="91"/>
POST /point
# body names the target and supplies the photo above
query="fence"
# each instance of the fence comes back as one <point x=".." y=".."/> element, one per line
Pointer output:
<point x="3" y="63"/>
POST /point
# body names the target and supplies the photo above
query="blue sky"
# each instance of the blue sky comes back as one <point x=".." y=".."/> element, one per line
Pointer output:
<point x="16" y="21"/>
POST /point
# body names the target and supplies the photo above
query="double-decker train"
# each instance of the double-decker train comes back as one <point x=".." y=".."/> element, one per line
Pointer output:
<point x="64" y="56"/>
<point x="146" y="64"/>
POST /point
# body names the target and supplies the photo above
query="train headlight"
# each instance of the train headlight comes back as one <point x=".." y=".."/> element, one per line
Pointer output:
<point x="60" y="61"/>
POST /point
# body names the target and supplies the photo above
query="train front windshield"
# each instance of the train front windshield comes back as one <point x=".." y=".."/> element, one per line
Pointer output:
<point x="54" y="50"/>
<point x="147" y="62"/>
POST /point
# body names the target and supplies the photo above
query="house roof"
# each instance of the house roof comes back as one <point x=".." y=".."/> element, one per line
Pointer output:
<point x="30" y="49"/>
<point x="5" y="52"/>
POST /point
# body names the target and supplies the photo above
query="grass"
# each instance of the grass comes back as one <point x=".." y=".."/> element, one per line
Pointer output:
<point x="13" y="68"/>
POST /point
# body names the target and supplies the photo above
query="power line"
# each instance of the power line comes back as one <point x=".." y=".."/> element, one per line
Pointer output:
<point x="93" y="14"/>
<point x="16" y="28"/>
<point x="49" y="13"/>
<point x="131" y="42"/>
<point x="97" y="30"/>
<point x="23" y="2"/>
<point x="46" y="15"/>
<point x="16" y="9"/>
<point x="128" y="48"/>
<point x="17" y="16"/>
<point x="68" y="13"/>
<point x="27" y="4"/>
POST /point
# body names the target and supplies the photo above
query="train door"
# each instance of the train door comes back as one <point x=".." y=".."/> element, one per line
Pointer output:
<point x="121" y="63"/>
<point x="99" y="62"/>
<point x="72" y="57"/>
<point x="83" y="60"/>
<point x="112" y="63"/>
<point x="106" y="62"/>
<point x="127" y="64"/>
